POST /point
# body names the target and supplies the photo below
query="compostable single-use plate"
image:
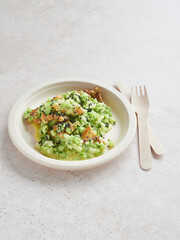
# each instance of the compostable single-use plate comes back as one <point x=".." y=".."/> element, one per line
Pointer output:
<point x="22" y="134"/>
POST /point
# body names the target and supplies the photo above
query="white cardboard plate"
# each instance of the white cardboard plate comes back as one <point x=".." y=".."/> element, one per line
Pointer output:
<point x="22" y="135"/>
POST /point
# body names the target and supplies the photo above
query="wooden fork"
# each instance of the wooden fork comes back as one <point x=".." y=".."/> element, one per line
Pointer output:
<point x="141" y="106"/>
<point x="158" y="149"/>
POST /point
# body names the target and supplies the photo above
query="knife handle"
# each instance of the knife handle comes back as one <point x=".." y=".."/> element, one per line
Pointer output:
<point x="155" y="143"/>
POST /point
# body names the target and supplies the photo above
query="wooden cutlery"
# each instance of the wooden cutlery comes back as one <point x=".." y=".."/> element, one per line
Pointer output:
<point x="155" y="144"/>
<point x="140" y="102"/>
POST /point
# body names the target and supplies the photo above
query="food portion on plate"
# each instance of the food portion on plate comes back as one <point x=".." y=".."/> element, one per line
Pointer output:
<point x="72" y="125"/>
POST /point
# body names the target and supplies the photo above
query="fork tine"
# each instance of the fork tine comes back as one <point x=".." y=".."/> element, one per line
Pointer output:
<point x="145" y="91"/>
<point x="136" y="91"/>
<point x="141" y="90"/>
<point x="132" y="92"/>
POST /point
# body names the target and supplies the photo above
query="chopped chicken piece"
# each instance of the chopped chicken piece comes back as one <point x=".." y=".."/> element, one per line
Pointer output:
<point x="79" y="110"/>
<point x="44" y="118"/>
<point x="90" y="134"/>
<point x="33" y="114"/>
<point x="52" y="117"/>
<point x="57" y="97"/>
<point x="76" y="110"/>
<point x="95" y="93"/>
<point x="69" y="125"/>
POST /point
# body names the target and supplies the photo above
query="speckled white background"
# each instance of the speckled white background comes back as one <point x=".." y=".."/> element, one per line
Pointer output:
<point x="133" y="41"/>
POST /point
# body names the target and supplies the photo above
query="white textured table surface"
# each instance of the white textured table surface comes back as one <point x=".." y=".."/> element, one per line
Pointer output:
<point x="133" y="41"/>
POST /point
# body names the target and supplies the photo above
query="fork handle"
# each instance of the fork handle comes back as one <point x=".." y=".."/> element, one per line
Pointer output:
<point x="144" y="146"/>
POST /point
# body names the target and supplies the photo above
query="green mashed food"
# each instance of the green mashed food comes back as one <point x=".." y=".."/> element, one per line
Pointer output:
<point x="72" y="126"/>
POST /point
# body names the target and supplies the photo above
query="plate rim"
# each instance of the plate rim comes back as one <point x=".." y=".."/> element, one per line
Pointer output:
<point x="79" y="164"/>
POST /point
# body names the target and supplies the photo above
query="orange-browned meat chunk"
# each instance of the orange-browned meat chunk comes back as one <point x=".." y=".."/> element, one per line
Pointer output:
<point x="52" y="117"/>
<point x="95" y="93"/>
<point x="90" y="134"/>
